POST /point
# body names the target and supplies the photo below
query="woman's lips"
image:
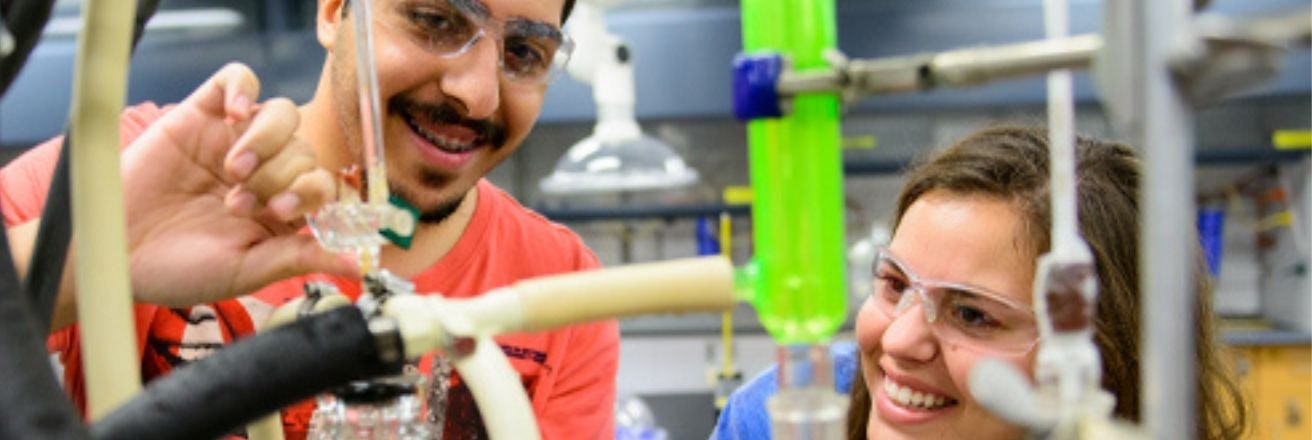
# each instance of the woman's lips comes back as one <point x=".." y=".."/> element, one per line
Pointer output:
<point x="901" y="403"/>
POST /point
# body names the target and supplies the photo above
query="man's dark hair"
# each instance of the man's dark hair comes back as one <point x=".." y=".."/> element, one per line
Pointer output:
<point x="564" y="12"/>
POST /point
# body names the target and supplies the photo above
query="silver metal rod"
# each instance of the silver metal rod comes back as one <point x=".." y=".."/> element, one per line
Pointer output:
<point x="979" y="66"/>
<point x="982" y="65"/>
<point x="1160" y="123"/>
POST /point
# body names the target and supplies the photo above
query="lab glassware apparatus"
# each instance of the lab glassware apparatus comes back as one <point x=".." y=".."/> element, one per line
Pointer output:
<point x="795" y="281"/>
<point x="385" y="408"/>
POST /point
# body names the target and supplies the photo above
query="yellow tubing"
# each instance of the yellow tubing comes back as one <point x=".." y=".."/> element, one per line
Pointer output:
<point x="726" y="319"/>
<point x="100" y="253"/>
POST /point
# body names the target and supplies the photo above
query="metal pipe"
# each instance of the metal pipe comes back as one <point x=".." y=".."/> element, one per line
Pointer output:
<point x="962" y="67"/>
<point x="982" y="65"/>
<point x="979" y="66"/>
<point x="1160" y="122"/>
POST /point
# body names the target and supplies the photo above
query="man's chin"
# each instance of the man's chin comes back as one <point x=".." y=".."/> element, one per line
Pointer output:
<point x="430" y="211"/>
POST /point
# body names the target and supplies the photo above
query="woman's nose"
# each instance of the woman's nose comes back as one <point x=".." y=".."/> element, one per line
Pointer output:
<point x="910" y="336"/>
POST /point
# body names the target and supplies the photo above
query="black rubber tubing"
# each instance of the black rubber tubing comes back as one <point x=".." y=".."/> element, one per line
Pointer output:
<point x="32" y="404"/>
<point x="252" y="378"/>
<point x="25" y="20"/>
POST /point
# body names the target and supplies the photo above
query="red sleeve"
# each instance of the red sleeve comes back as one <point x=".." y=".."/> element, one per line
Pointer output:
<point x="582" y="402"/>
<point x="25" y="181"/>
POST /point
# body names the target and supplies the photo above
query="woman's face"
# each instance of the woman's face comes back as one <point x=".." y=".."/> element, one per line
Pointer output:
<point x="917" y="377"/>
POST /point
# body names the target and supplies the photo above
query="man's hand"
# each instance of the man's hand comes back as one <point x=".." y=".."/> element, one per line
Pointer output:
<point x="215" y="193"/>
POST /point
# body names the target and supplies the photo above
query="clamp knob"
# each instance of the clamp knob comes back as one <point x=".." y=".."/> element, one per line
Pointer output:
<point x="755" y="81"/>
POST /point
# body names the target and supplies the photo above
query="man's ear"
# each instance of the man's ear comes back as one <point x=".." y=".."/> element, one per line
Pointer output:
<point x="328" y="21"/>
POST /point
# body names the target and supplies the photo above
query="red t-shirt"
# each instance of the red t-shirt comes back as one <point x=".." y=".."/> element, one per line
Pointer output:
<point x="569" y="374"/>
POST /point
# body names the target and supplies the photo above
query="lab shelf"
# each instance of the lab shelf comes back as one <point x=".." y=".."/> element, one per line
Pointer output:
<point x="745" y="322"/>
<point x="646" y="212"/>
<point x="1246" y="156"/>
<point x="863" y="167"/>
<point x="1253" y="338"/>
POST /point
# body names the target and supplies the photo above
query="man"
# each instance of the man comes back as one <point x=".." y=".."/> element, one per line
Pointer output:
<point x="461" y="82"/>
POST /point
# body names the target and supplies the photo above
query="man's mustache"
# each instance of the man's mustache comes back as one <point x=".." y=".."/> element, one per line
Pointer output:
<point x="485" y="131"/>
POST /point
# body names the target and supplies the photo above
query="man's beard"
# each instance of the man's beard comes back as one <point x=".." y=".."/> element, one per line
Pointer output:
<point x="434" y="215"/>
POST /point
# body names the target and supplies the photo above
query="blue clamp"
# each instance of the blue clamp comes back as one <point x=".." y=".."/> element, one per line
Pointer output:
<point x="755" y="78"/>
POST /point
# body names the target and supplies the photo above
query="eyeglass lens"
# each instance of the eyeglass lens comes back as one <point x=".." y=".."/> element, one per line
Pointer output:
<point x="452" y="27"/>
<point x="958" y="314"/>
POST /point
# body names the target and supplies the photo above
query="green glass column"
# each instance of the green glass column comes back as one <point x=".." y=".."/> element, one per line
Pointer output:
<point x="796" y="174"/>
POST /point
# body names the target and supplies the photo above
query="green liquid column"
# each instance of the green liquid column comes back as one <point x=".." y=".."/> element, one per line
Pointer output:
<point x="796" y="170"/>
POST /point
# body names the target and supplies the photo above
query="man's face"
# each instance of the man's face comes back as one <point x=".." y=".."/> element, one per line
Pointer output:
<point x="448" y="117"/>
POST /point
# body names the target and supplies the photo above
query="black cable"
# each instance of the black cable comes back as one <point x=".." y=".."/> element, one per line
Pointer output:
<point x="50" y="249"/>
<point x="31" y="402"/>
<point x="25" y="19"/>
<point x="256" y="376"/>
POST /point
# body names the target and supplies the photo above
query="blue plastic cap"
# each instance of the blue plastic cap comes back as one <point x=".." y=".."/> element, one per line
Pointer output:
<point x="754" y="79"/>
<point x="707" y="243"/>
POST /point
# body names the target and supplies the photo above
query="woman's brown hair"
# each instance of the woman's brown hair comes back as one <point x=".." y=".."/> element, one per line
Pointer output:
<point x="1011" y="163"/>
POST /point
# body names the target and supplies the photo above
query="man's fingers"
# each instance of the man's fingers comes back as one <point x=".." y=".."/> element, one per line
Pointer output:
<point x="277" y="173"/>
<point x="240" y="202"/>
<point x="269" y="133"/>
<point x="231" y="92"/>
<point x="291" y="255"/>
<point x="307" y="193"/>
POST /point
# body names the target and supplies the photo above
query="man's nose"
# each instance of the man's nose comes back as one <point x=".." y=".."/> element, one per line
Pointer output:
<point x="473" y="80"/>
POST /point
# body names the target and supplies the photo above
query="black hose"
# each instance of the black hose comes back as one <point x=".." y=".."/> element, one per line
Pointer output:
<point x="25" y="19"/>
<point x="31" y="402"/>
<point x="255" y="377"/>
<point x="51" y="246"/>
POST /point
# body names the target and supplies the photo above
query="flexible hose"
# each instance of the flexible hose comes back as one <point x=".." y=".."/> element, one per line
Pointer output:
<point x="25" y="19"/>
<point x="32" y="405"/>
<point x="256" y="376"/>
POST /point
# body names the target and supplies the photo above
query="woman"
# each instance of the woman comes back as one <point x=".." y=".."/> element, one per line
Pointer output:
<point x="974" y="219"/>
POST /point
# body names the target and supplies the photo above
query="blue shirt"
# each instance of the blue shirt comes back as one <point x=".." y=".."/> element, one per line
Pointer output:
<point x="744" y="415"/>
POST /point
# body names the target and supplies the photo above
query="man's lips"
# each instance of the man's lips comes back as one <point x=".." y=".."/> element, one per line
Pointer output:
<point x="447" y="126"/>
<point x="453" y="139"/>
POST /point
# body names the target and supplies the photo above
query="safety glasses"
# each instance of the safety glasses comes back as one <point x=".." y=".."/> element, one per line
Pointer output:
<point x="531" y="52"/>
<point x="958" y="313"/>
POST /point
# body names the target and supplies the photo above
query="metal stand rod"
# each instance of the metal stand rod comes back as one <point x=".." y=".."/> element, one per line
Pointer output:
<point x="1160" y="122"/>
<point x="982" y="65"/>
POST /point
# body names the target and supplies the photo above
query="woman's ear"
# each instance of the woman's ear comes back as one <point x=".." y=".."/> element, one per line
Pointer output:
<point x="328" y="21"/>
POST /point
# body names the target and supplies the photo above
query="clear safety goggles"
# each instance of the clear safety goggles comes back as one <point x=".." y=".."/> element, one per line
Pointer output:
<point x="531" y="52"/>
<point x="958" y="314"/>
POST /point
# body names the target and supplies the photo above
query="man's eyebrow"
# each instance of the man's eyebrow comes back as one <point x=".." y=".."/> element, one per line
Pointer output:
<point x="475" y="7"/>
<point x="531" y="27"/>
